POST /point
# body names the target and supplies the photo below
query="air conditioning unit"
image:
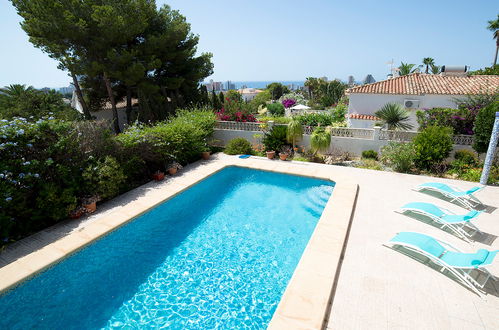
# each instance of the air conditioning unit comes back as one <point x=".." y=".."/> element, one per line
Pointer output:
<point x="412" y="104"/>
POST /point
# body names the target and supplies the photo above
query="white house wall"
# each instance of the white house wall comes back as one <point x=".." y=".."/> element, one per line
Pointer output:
<point x="368" y="104"/>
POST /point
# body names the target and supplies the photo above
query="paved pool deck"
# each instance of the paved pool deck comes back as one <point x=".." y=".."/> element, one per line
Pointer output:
<point x="377" y="287"/>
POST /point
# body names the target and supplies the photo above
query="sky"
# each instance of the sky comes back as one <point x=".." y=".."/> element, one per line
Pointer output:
<point x="282" y="40"/>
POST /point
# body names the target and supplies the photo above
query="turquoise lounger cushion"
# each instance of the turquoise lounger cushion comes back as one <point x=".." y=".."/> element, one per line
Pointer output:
<point x="466" y="260"/>
<point x="423" y="242"/>
<point x="426" y="207"/>
<point x="471" y="214"/>
<point x="472" y="190"/>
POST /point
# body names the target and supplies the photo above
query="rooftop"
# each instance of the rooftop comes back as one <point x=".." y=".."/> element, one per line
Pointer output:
<point x="421" y="83"/>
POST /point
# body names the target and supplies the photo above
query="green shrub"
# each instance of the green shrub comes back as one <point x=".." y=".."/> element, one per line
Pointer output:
<point x="181" y="138"/>
<point x="238" y="146"/>
<point x="40" y="175"/>
<point x="276" y="109"/>
<point x="276" y="138"/>
<point x="276" y="120"/>
<point x="432" y="146"/>
<point x="400" y="156"/>
<point x="370" y="154"/>
<point x="300" y="158"/>
<point x="370" y="164"/>
<point x="484" y="124"/>
<point x="320" y="140"/>
<point x="466" y="156"/>
<point x="339" y="112"/>
<point x="103" y="178"/>
<point x="315" y="119"/>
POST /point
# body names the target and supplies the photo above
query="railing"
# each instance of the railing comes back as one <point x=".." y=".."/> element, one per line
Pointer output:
<point x="357" y="133"/>
<point x="465" y="140"/>
<point x="402" y="136"/>
<point x="240" y="126"/>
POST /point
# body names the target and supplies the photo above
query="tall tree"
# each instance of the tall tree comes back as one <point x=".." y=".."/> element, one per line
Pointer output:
<point x="215" y="101"/>
<point x="222" y="98"/>
<point x="52" y="28"/>
<point x="494" y="27"/>
<point x="428" y="62"/>
<point x="277" y="90"/>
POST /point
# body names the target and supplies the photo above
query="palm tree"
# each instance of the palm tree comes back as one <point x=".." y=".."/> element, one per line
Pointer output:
<point x="494" y="27"/>
<point x="320" y="139"/>
<point x="406" y="68"/>
<point x="428" y="61"/>
<point x="16" y="90"/>
<point x="394" y="116"/>
<point x="295" y="131"/>
<point x="435" y="69"/>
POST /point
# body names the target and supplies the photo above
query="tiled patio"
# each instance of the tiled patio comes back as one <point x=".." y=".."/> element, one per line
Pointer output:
<point x="378" y="288"/>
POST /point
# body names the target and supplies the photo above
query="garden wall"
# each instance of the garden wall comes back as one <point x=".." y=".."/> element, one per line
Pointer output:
<point x="345" y="139"/>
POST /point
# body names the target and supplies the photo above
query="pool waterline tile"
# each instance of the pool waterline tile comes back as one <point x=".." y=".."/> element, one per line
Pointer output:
<point x="326" y="242"/>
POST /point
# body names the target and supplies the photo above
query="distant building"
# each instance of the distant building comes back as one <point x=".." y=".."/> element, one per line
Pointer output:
<point x="217" y="86"/>
<point x="369" y="79"/>
<point x="229" y="85"/>
<point x="45" y="89"/>
<point x="249" y="94"/>
<point x="351" y="80"/>
<point x="323" y="78"/>
<point x="66" y="90"/>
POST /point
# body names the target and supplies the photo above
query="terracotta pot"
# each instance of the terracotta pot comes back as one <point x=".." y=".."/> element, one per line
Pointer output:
<point x="158" y="176"/>
<point x="76" y="214"/>
<point x="270" y="154"/>
<point x="172" y="170"/>
<point x="283" y="156"/>
<point x="206" y="155"/>
<point x="90" y="208"/>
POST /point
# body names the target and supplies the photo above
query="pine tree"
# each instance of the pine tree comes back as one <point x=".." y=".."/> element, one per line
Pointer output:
<point x="215" y="101"/>
<point x="222" y="99"/>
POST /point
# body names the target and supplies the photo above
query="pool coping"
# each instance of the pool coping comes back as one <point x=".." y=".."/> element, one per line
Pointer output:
<point x="306" y="301"/>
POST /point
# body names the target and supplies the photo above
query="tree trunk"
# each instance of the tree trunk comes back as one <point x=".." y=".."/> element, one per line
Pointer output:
<point x="128" y="104"/>
<point x="116" y="123"/>
<point x="79" y="94"/>
<point x="497" y="50"/>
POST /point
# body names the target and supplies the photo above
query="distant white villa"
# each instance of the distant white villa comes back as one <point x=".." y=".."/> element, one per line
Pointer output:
<point x="249" y="94"/>
<point x="414" y="91"/>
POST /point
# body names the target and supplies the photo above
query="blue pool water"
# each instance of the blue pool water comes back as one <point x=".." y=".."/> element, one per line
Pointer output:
<point x="218" y="255"/>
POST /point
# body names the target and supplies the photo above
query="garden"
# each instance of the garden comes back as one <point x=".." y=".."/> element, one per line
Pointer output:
<point x="52" y="169"/>
<point x="430" y="153"/>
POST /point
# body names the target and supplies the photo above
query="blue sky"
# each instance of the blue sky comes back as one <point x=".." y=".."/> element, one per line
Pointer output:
<point x="292" y="40"/>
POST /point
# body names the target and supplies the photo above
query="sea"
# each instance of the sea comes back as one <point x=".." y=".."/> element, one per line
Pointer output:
<point x="264" y="83"/>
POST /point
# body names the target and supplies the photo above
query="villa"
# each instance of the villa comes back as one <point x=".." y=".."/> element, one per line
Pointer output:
<point x="249" y="94"/>
<point x="415" y="91"/>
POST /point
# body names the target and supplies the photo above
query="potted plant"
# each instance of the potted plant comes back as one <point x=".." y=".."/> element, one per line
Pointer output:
<point x="77" y="213"/>
<point x="158" y="175"/>
<point x="90" y="203"/>
<point x="285" y="152"/>
<point x="270" y="154"/>
<point x="205" y="154"/>
<point x="173" y="168"/>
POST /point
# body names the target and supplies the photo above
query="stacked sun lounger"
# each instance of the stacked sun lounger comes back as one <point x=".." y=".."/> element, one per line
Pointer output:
<point x="443" y="254"/>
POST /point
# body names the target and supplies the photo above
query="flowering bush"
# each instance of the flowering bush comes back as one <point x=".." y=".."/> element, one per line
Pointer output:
<point x="288" y="103"/>
<point x="234" y="110"/>
<point x="40" y="174"/>
<point x="49" y="166"/>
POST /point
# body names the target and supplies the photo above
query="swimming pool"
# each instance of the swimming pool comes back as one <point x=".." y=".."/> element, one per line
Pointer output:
<point x="220" y="254"/>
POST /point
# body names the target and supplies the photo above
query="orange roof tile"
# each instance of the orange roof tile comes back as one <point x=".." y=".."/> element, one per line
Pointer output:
<point x="421" y="83"/>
